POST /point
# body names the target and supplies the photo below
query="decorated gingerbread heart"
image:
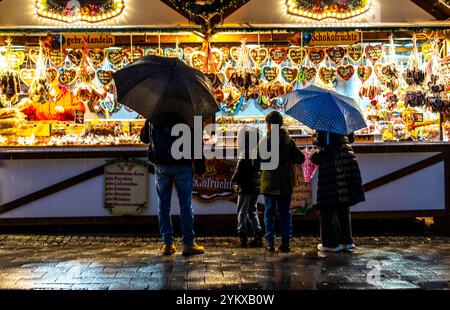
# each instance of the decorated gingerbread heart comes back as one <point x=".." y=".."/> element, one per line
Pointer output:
<point x="16" y="58"/>
<point x="67" y="76"/>
<point x="218" y="58"/>
<point x="135" y="54"/>
<point x="428" y="51"/>
<point x="33" y="54"/>
<point x="51" y="74"/>
<point x="153" y="51"/>
<point x="187" y="53"/>
<point x="327" y="74"/>
<point x="56" y="57"/>
<point x="289" y="74"/>
<point x="172" y="52"/>
<point x="374" y="52"/>
<point x="116" y="57"/>
<point x="336" y="54"/>
<point x="355" y="52"/>
<point x="108" y="104"/>
<point x="297" y="55"/>
<point x="364" y="72"/>
<point x="270" y="73"/>
<point x="307" y="74"/>
<point x="229" y="72"/>
<point x="225" y="52"/>
<point x="345" y="72"/>
<point x="96" y="56"/>
<point x="259" y="55"/>
<point x="278" y="54"/>
<point x="378" y="69"/>
<point x="235" y="52"/>
<point x="27" y="76"/>
<point x="105" y="76"/>
<point x="75" y="57"/>
<point x="198" y="60"/>
<point x="316" y="56"/>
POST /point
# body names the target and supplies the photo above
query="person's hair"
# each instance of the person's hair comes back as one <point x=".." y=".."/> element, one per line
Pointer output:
<point x="275" y="118"/>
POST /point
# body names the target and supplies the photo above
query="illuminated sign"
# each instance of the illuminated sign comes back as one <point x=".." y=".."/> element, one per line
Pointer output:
<point x="322" y="9"/>
<point x="79" y="10"/>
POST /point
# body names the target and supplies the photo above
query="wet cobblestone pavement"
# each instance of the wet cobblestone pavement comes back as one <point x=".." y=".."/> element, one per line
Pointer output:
<point x="112" y="262"/>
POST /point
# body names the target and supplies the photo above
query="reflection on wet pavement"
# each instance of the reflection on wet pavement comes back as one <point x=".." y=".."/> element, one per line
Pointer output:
<point x="102" y="262"/>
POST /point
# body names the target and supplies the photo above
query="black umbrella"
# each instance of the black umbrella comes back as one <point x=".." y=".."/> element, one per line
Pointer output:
<point x="154" y="85"/>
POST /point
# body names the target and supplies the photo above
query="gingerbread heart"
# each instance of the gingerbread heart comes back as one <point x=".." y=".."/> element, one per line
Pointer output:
<point x="16" y="58"/>
<point x="116" y="57"/>
<point x="355" y="52"/>
<point x="198" y="60"/>
<point x="105" y="76"/>
<point x="33" y="54"/>
<point x="235" y="52"/>
<point x="108" y="104"/>
<point x="75" y="57"/>
<point x="364" y="72"/>
<point x="27" y="76"/>
<point x="259" y="55"/>
<point x="336" y="54"/>
<point x="297" y="55"/>
<point x="153" y="51"/>
<point x="307" y="74"/>
<point x="278" y="54"/>
<point x="374" y="52"/>
<point x="270" y="73"/>
<point x="87" y="75"/>
<point x="172" y="52"/>
<point x="289" y="74"/>
<point x="67" y="76"/>
<point x="229" y="72"/>
<point x="378" y="69"/>
<point x="225" y="52"/>
<point x="345" y="72"/>
<point x="316" y="56"/>
<point x="96" y="56"/>
<point x="51" y="74"/>
<point x="187" y="53"/>
<point x="135" y="54"/>
<point x="327" y="74"/>
<point x="428" y="51"/>
<point x="56" y="57"/>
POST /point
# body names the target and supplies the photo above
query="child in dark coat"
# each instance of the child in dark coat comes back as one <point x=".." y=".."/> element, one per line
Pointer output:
<point x="247" y="177"/>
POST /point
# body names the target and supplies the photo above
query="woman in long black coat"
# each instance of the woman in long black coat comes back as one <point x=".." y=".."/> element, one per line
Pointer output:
<point x="340" y="187"/>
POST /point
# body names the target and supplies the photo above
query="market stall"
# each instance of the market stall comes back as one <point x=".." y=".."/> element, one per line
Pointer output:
<point x="62" y="129"/>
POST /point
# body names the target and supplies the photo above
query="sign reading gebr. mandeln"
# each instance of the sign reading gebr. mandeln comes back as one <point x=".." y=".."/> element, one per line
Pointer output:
<point x="126" y="187"/>
<point x="93" y="40"/>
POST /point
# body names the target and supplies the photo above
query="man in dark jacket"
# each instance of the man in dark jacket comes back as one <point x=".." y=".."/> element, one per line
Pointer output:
<point x="248" y="177"/>
<point x="277" y="184"/>
<point x="339" y="188"/>
<point x="169" y="171"/>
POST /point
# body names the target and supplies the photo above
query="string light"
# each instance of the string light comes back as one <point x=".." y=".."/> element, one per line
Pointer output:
<point x="342" y="9"/>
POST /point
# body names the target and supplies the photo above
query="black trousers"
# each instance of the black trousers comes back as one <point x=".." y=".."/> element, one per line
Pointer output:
<point x="335" y="226"/>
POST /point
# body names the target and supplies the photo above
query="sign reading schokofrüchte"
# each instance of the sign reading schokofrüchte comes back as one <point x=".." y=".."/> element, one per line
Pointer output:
<point x="334" y="38"/>
<point x="126" y="187"/>
<point x="93" y="40"/>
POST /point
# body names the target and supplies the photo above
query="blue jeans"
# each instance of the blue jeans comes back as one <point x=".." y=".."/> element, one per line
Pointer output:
<point x="183" y="177"/>
<point x="246" y="209"/>
<point x="284" y="206"/>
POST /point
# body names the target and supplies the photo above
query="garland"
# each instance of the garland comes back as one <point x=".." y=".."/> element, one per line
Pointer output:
<point x="321" y="9"/>
<point x="209" y="8"/>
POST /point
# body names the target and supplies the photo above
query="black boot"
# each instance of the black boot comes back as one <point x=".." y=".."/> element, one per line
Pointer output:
<point x="270" y="245"/>
<point x="257" y="241"/>
<point x="244" y="240"/>
<point x="285" y="245"/>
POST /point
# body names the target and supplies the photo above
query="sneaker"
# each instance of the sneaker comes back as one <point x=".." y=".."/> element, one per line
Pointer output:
<point x="322" y="248"/>
<point x="347" y="247"/>
<point x="192" y="249"/>
<point x="168" y="249"/>
<point x="270" y="246"/>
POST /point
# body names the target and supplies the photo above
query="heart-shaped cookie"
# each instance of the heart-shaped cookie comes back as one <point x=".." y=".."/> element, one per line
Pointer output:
<point x="235" y="52"/>
<point x="75" y="57"/>
<point x="33" y="53"/>
<point x="187" y="53"/>
<point x="428" y="51"/>
<point x="198" y="60"/>
<point x="327" y="74"/>
<point x="289" y="74"/>
<point x="16" y="58"/>
<point x="172" y="52"/>
<point x="56" y="57"/>
<point x="51" y="74"/>
<point x="259" y="55"/>
<point x="108" y="104"/>
<point x="153" y="51"/>
<point x="336" y="54"/>
<point x="378" y="69"/>
<point x="374" y="52"/>
<point x="316" y="56"/>
<point x="67" y="76"/>
<point x="355" y="52"/>
<point x="225" y="52"/>
<point x="217" y="58"/>
<point x="87" y="75"/>
<point x="27" y="76"/>
<point x="105" y="76"/>
<point x="270" y="73"/>
<point x="116" y="57"/>
<point x="278" y="54"/>
<point x="96" y="56"/>
<point x="307" y="74"/>
<point x="135" y="54"/>
<point x="364" y="72"/>
<point x="297" y="55"/>
<point x="345" y="72"/>
<point x="229" y="72"/>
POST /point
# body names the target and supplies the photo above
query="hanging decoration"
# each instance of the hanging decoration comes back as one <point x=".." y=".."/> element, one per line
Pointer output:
<point x="92" y="11"/>
<point x="322" y="9"/>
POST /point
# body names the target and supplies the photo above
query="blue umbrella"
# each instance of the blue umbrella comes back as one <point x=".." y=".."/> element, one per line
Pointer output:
<point x="325" y="110"/>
